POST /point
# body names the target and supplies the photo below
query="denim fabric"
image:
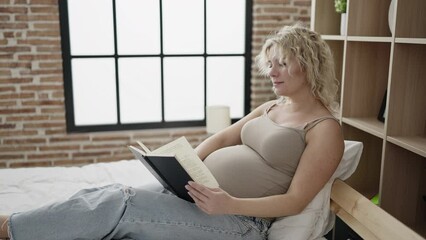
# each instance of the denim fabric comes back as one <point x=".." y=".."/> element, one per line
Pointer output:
<point x="120" y="212"/>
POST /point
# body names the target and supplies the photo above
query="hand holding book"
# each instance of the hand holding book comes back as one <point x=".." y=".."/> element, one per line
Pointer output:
<point x="174" y="164"/>
<point x="211" y="200"/>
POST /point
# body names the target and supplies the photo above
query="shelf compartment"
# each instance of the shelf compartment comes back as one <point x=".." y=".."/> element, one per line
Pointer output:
<point x="325" y="19"/>
<point x="415" y="144"/>
<point x="410" y="19"/>
<point x="404" y="188"/>
<point x="370" y="125"/>
<point x="365" y="78"/>
<point x="366" y="179"/>
<point x="368" y="18"/>
<point x="407" y="104"/>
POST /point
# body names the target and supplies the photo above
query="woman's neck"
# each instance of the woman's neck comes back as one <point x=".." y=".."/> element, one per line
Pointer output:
<point x="303" y="103"/>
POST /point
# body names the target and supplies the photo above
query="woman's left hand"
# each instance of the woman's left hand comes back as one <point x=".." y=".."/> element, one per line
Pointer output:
<point x="210" y="200"/>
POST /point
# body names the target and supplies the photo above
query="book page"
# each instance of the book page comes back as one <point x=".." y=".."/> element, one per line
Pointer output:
<point x="145" y="148"/>
<point x="189" y="160"/>
<point x="140" y="151"/>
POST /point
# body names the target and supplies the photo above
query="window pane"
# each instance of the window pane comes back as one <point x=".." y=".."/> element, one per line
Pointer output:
<point x="183" y="29"/>
<point x="91" y="27"/>
<point x="184" y="88"/>
<point x="94" y="91"/>
<point x="225" y="83"/>
<point x="140" y="89"/>
<point x="138" y="26"/>
<point x="226" y="26"/>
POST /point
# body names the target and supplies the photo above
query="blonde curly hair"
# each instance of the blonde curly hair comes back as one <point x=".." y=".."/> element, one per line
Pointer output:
<point x="314" y="57"/>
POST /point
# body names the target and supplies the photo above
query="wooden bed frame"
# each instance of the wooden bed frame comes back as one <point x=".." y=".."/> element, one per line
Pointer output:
<point x="366" y="219"/>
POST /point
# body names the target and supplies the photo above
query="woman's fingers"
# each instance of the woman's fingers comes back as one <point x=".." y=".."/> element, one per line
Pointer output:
<point x="209" y="200"/>
<point x="197" y="186"/>
<point x="197" y="191"/>
<point x="199" y="202"/>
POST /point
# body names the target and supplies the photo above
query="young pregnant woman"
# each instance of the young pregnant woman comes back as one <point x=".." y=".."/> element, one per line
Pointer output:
<point x="269" y="164"/>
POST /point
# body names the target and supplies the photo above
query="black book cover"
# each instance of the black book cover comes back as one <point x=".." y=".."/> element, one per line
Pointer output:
<point x="168" y="172"/>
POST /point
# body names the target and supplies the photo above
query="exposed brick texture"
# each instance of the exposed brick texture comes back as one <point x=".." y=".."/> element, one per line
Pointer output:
<point x="32" y="111"/>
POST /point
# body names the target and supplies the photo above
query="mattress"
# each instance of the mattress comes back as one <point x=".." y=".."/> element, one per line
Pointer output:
<point x="27" y="188"/>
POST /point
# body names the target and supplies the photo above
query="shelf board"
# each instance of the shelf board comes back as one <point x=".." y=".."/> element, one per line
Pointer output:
<point x="369" y="125"/>
<point x="333" y="37"/>
<point x="369" y="39"/>
<point x="411" y="40"/>
<point x="416" y="144"/>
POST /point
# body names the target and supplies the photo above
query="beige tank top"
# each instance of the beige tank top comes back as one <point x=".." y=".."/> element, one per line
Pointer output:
<point x="265" y="163"/>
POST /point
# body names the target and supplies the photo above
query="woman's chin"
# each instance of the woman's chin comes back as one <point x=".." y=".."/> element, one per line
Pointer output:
<point x="278" y="91"/>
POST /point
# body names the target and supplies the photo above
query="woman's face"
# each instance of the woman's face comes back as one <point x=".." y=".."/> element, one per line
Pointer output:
<point x="286" y="75"/>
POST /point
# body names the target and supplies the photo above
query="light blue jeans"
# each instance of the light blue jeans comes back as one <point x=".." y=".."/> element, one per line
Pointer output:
<point x="120" y="212"/>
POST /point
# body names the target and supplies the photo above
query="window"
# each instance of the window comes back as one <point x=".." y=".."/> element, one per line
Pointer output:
<point x="138" y="64"/>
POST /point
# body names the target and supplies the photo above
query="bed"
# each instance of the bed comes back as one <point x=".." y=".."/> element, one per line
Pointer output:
<point x="22" y="189"/>
<point x="26" y="188"/>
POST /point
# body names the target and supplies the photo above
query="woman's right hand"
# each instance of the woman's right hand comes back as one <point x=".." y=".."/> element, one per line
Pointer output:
<point x="213" y="201"/>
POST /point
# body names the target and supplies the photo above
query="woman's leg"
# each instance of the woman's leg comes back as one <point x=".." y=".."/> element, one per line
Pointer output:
<point x="119" y="212"/>
<point x="151" y="215"/>
<point x="89" y="214"/>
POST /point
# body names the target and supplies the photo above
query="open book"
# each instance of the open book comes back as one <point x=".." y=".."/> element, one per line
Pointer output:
<point x="174" y="164"/>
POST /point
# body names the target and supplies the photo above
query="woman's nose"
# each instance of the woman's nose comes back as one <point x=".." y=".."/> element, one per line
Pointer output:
<point x="273" y="72"/>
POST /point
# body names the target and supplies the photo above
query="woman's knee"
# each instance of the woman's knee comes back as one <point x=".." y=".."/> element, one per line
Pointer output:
<point x="107" y="200"/>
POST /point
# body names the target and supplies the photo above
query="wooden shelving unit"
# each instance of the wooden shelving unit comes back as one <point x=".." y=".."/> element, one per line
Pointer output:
<point x="372" y="58"/>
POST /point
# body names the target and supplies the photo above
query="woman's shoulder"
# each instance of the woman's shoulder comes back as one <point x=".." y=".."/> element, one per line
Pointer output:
<point x="267" y="105"/>
<point x="326" y="118"/>
<point x="326" y="125"/>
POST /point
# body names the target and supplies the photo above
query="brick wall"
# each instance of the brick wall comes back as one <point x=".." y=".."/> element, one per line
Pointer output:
<point x="32" y="111"/>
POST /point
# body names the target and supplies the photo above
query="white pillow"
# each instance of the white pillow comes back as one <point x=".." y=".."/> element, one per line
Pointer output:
<point x="317" y="219"/>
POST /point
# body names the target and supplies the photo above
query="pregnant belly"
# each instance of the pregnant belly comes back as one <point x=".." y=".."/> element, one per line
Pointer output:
<point x="242" y="172"/>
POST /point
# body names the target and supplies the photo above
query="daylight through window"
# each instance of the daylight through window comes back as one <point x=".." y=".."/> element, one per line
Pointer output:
<point x="134" y="64"/>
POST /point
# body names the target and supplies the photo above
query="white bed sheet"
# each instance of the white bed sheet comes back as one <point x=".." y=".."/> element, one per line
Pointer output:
<point x="27" y="188"/>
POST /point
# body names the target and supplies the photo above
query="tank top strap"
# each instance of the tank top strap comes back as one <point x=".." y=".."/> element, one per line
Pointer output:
<point x="313" y="123"/>
<point x="270" y="107"/>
